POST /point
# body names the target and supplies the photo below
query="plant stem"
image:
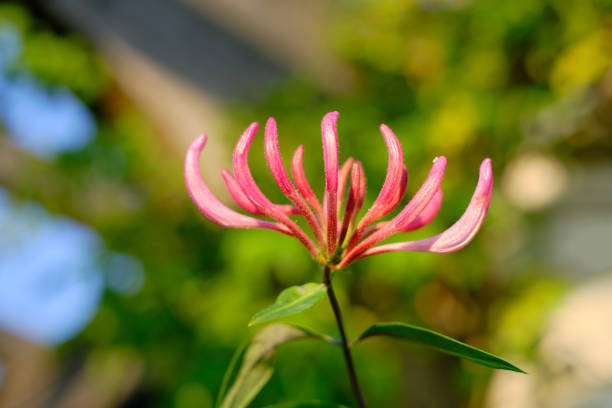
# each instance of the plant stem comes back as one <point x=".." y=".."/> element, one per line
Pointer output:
<point x="345" y="348"/>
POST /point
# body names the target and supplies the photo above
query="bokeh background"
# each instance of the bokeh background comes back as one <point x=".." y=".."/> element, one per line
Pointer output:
<point x="116" y="292"/>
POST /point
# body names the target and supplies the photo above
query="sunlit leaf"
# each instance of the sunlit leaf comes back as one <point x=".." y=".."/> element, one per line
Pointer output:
<point x="290" y="301"/>
<point x="439" y="342"/>
<point x="257" y="363"/>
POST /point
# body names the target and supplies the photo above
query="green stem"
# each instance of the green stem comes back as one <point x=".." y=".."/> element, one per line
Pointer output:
<point x="344" y="343"/>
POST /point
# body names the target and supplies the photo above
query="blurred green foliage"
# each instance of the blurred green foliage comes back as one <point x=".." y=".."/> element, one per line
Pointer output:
<point x="458" y="78"/>
<point x="66" y="60"/>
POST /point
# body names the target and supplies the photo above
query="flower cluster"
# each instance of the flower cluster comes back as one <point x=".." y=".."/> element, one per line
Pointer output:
<point x="338" y="237"/>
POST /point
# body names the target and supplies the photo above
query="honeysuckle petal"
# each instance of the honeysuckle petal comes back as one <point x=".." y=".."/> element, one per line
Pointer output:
<point x="299" y="176"/>
<point x="358" y="184"/>
<point x="237" y="194"/>
<point x="410" y="212"/>
<point x="354" y="200"/>
<point x="243" y="172"/>
<point x="343" y="175"/>
<point x="362" y="187"/>
<point x="423" y="197"/>
<point x="208" y="204"/>
<point x="275" y="162"/>
<point x="427" y="215"/>
<point x="388" y="197"/>
<point x="458" y="235"/>
<point x="252" y="191"/>
<point x="402" y="187"/>
<point x="398" y="197"/>
<point x="330" y="158"/>
<point x="287" y="209"/>
<point x="243" y="201"/>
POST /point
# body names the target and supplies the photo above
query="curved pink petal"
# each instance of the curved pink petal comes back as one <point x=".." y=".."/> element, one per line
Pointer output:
<point x="277" y="168"/>
<point x="247" y="184"/>
<point x="243" y="201"/>
<point x="208" y="204"/>
<point x="362" y="187"/>
<point x="330" y="157"/>
<point x="410" y="212"/>
<point x="301" y="182"/>
<point x="402" y="186"/>
<point x="287" y="209"/>
<point x="343" y="175"/>
<point x="462" y="232"/>
<point x="425" y="217"/>
<point x="354" y="200"/>
<point x="423" y="197"/>
<point x="252" y="191"/>
<point x="243" y="172"/>
<point x="389" y="194"/>
<point x="237" y="194"/>
<point x="428" y="213"/>
<point x="358" y="184"/>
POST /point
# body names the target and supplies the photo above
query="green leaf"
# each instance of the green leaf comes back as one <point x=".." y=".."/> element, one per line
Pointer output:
<point x="230" y="371"/>
<point x="439" y="342"/>
<point x="257" y="363"/>
<point x="291" y="300"/>
<point x="309" y="404"/>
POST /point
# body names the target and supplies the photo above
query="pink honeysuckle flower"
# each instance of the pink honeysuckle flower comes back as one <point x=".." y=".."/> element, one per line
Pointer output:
<point x="339" y="239"/>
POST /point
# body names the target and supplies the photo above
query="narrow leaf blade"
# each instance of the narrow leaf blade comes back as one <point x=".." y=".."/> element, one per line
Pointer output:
<point x="257" y="363"/>
<point x="290" y="301"/>
<point x="309" y="404"/>
<point x="439" y="342"/>
<point x="230" y="371"/>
